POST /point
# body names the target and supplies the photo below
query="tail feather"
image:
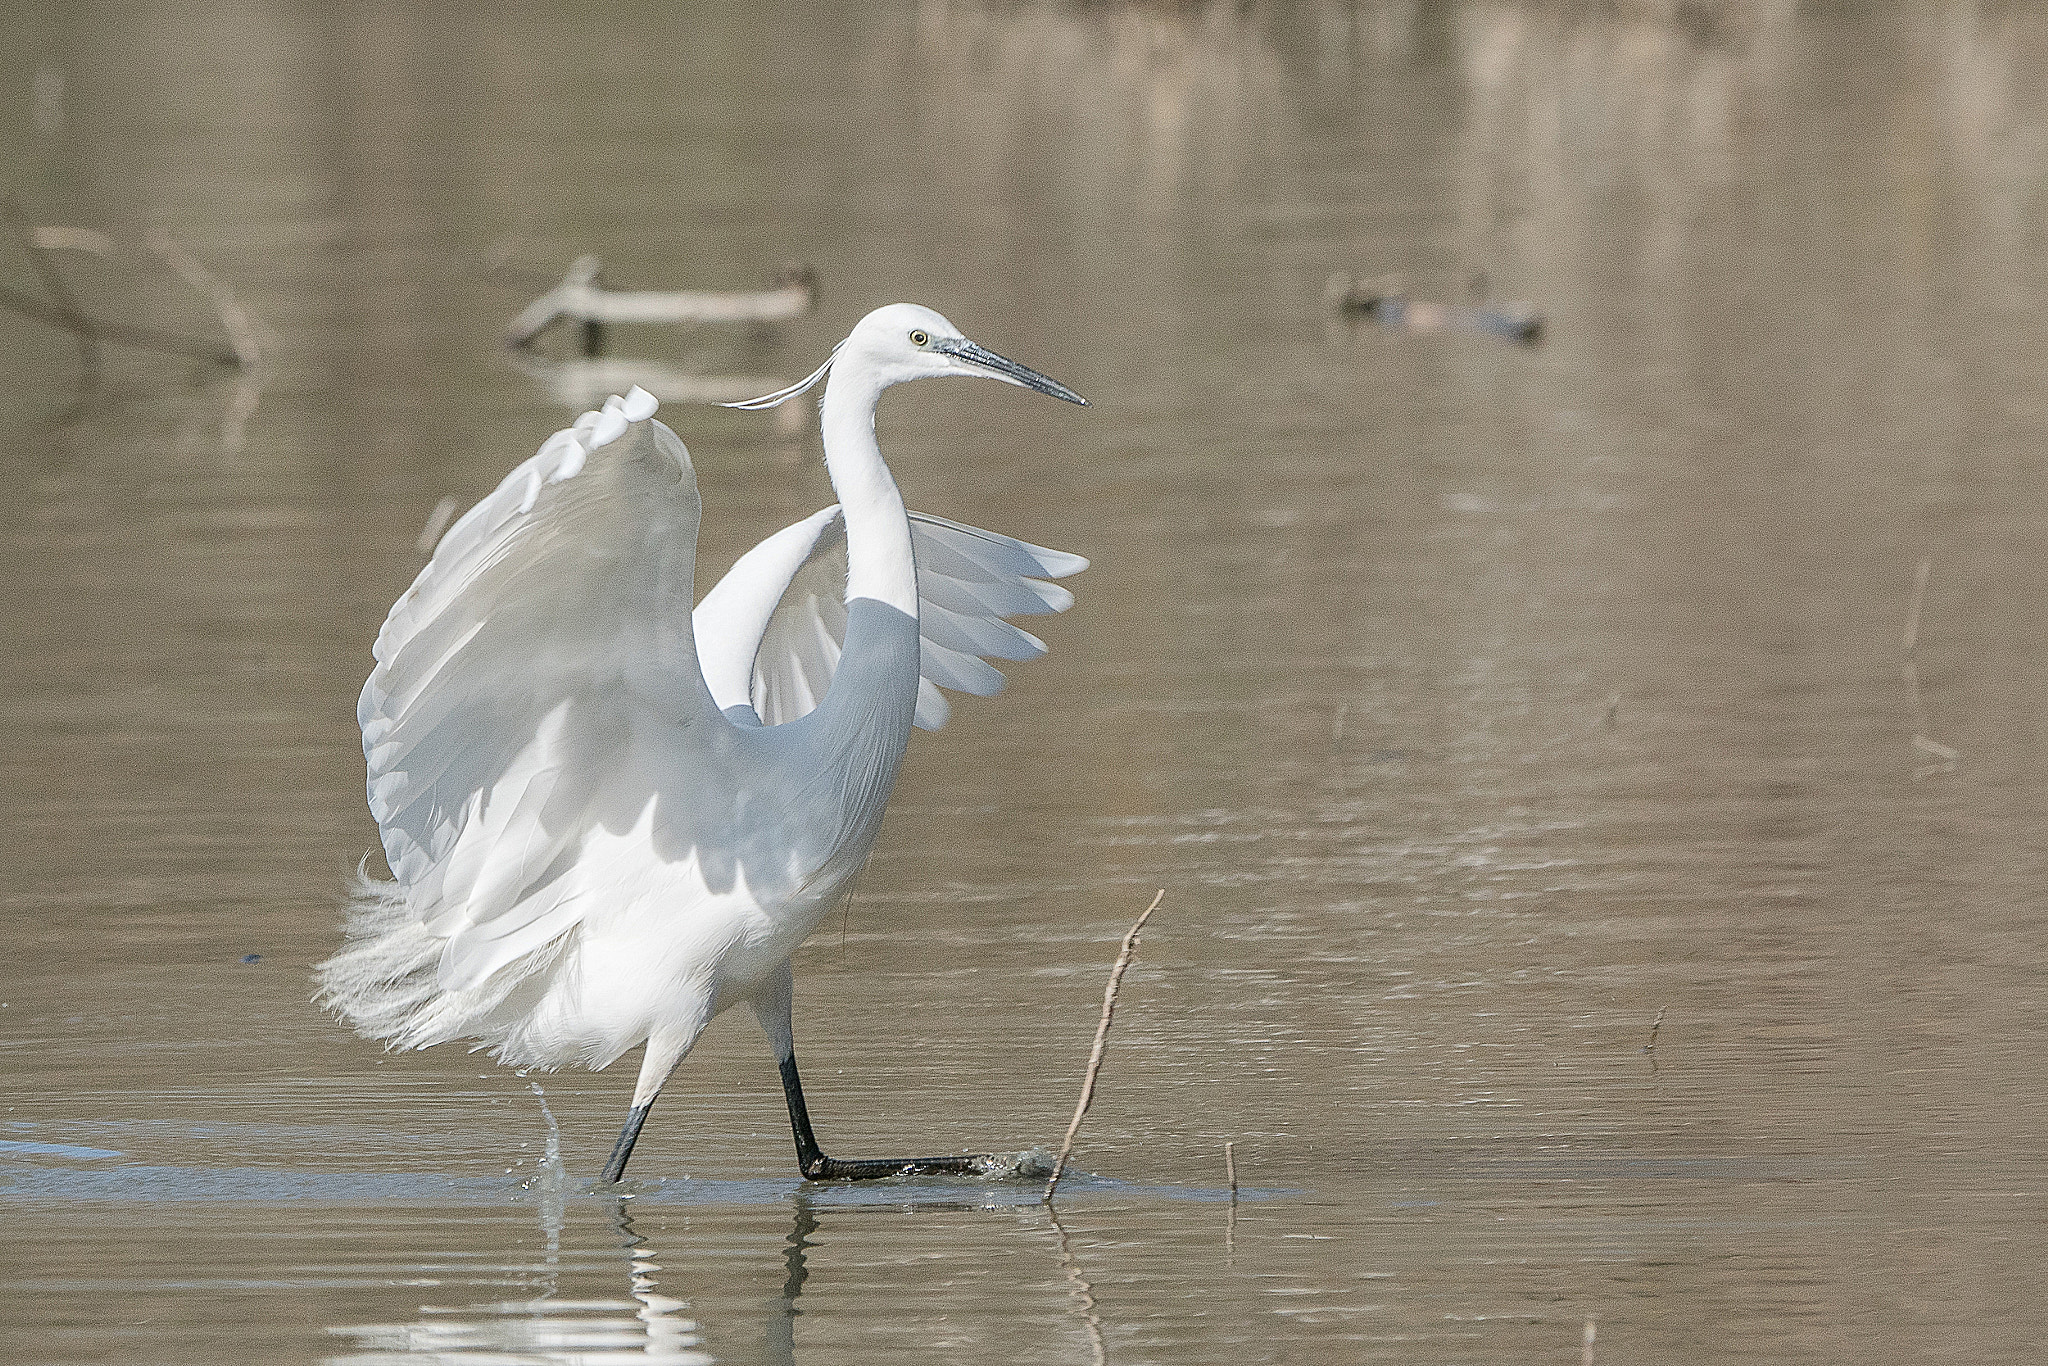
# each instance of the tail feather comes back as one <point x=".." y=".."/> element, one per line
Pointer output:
<point x="384" y="980"/>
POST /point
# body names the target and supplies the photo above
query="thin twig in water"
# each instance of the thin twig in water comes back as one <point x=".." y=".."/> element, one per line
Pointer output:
<point x="1655" y="1025"/>
<point x="1230" y="1220"/>
<point x="581" y="298"/>
<point x="1116" y="977"/>
<point x="1911" y="638"/>
<point x="1945" y="757"/>
<point x="1586" y="1351"/>
<point x="62" y="308"/>
<point x="1084" y="1293"/>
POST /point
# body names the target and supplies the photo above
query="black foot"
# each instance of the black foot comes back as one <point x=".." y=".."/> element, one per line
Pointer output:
<point x="818" y="1167"/>
<point x="812" y="1162"/>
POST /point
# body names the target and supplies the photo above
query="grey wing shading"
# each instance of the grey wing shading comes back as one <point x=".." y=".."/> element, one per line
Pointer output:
<point x="551" y="621"/>
<point x="772" y="631"/>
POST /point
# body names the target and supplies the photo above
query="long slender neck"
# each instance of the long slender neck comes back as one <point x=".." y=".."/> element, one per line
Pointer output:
<point x="878" y="557"/>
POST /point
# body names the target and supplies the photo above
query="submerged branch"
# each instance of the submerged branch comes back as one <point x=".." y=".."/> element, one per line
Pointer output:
<point x="234" y="319"/>
<point x="67" y="314"/>
<point x="1945" y="757"/>
<point x="62" y="309"/>
<point x="121" y="334"/>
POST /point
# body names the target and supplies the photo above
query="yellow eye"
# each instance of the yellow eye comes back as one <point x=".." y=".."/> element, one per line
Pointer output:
<point x="919" y="337"/>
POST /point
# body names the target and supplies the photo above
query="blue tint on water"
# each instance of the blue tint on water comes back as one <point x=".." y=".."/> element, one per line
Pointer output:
<point x="13" y="1147"/>
<point x="260" y="1185"/>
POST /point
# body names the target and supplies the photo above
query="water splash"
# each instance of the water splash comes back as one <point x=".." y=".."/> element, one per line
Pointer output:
<point x="551" y="1183"/>
<point x="551" y="1178"/>
<point x="1031" y="1164"/>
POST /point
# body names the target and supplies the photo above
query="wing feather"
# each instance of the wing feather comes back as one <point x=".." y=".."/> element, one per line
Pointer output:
<point x="771" y="632"/>
<point x="548" y="625"/>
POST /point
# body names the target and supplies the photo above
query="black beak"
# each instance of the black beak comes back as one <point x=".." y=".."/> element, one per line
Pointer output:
<point x="1003" y="368"/>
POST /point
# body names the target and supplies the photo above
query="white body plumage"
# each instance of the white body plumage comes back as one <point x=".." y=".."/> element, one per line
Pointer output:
<point x="609" y="817"/>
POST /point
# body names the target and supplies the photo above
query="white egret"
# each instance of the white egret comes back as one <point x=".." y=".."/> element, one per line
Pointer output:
<point x="609" y="818"/>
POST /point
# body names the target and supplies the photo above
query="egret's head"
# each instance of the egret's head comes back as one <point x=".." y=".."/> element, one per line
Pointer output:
<point x="900" y="342"/>
<point x="907" y="341"/>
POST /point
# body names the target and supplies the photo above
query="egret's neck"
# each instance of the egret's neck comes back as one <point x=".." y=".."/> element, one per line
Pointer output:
<point x="878" y="557"/>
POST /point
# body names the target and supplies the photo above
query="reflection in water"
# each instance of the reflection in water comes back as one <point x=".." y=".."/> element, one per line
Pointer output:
<point x="779" y="1341"/>
<point x="667" y="1336"/>
<point x="1083" y="1291"/>
<point x="648" y="1328"/>
<point x="1151" y="101"/>
<point x="586" y="382"/>
<point x="558" y="1325"/>
<point x="62" y="309"/>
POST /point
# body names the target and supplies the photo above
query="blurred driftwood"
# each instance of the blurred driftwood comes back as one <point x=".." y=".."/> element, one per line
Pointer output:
<point x="61" y="309"/>
<point x="65" y="312"/>
<point x="90" y="240"/>
<point x="430" y="536"/>
<point x="581" y="298"/>
<point x="146" y="338"/>
<point x="234" y="318"/>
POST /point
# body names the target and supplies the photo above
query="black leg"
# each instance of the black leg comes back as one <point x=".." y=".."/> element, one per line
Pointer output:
<point x="622" y="1151"/>
<point x="818" y="1167"/>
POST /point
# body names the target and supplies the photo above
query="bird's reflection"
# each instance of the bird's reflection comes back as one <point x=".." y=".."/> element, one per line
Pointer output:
<point x="554" y="1326"/>
<point x="646" y="1326"/>
<point x="779" y="1340"/>
<point x="667" y="1335"/>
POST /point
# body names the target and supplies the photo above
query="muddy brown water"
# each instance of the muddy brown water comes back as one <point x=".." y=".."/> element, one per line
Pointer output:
<point x="1482" y="709"/>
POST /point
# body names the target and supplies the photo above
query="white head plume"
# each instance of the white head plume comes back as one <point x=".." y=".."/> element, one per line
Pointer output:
<point x="781" y="396"/>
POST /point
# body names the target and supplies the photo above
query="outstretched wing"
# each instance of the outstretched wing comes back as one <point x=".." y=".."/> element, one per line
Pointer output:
<point x="771" y="632"/>
<point x="552" y="618"/>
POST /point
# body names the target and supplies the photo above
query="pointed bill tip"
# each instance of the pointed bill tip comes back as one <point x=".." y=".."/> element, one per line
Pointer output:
<point x="1003" y="368"/>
